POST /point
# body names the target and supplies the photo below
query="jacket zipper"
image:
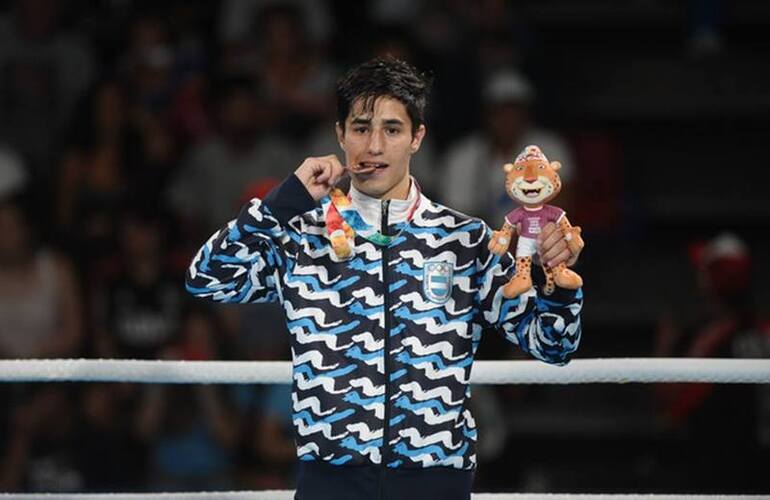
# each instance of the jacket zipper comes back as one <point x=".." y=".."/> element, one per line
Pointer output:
<point x="386" y="347"/>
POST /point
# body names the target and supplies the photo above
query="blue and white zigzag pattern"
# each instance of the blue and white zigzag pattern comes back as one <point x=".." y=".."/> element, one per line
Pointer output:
<point x="335" y="314"/>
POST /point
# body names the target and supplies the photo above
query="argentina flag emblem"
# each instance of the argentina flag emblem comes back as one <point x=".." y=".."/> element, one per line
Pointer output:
<point x="437" y="281"/>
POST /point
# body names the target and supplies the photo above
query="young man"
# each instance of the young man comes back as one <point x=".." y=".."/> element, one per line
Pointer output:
<point x="385" y="321"/>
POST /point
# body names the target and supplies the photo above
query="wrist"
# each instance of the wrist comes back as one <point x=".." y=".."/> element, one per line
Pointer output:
<point x="289" y="199"/>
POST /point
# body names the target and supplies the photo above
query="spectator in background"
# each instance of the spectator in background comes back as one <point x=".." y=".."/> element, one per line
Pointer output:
<point x="598" y="193"/>
<point x="110" y="451"/>
<point x="267" y="454"/>
<point x="148" y="63"/>
<point x="190" y="428"/>
<point x="209" y="184"/>
<point x="297" y="80"/>
<point x="150" y="68"/>
<point x="138" y="303"/>
<point x="166" y="76"/>
<point x="502" y="35"/>
<point x="474" y="182"/>
<point x="724" y="423"/>
<point x="189" y="119"/>
<point x="110" y="156"/>
<point x="43" y="71"/>
<point x="42" y="453"/>
<point x="40" y="314"/>
<point x="236" y="19"/>
<point x="13" y="172"/>
<point x="40" y="317"/>
<point x="63" y="440"/>
<point x="705" y="25"/>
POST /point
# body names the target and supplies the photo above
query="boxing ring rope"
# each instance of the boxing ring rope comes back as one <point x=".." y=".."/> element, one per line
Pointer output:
<point x="287" y="495"/>
<point x="579" y="371"/>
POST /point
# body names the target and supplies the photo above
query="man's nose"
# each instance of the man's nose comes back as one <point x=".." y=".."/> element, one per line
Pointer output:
<point x="375" y="143"/>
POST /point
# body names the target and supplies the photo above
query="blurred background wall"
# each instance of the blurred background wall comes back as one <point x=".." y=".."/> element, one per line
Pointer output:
<point x="131" y="130"/>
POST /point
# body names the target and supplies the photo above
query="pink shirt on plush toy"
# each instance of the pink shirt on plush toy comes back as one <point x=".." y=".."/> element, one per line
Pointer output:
<point x="532" y="221"/>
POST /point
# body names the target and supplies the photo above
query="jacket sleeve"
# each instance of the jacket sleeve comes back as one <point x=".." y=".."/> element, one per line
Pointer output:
<point x="245" y="260"/>
<point x="545" y="327"/>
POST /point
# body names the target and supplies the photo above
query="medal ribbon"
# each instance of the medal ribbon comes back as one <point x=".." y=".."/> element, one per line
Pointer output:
<point x="339" y="211"/>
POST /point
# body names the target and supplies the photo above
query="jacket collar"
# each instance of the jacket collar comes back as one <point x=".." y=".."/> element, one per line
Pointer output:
<point x="398" y="211"/>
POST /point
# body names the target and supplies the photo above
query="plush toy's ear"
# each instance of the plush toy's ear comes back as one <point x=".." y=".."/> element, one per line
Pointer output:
<point x="555" y="165"/>
<point x="508" y="167"/>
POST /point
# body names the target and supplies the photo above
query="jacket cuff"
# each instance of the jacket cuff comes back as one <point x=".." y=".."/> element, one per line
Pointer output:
<point x="289" y="199"/>
<point x="563" y="296"/>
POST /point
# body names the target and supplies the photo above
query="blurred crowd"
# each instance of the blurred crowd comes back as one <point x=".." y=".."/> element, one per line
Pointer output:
<point x="130" y="131"/>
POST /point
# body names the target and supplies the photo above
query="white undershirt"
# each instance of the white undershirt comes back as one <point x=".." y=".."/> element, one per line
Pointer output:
<point x="371" y="208"/>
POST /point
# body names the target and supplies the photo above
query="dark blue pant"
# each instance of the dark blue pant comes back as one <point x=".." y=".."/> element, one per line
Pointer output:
<point x="320" y="481"/>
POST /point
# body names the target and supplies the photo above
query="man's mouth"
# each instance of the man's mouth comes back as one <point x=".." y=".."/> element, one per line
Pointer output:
<point x="366" y="167"/>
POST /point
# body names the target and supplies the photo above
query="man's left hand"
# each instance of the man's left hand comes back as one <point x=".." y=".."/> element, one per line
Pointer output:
<point x="554" y="248"/>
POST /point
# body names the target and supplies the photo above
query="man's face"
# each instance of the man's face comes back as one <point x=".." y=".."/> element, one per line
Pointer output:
<point x="380" y="142"/>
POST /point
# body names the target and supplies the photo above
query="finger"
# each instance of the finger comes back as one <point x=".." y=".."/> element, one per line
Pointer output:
<point x="337" y="169"/>
<point x="563" y="256"/>
<point x="550" y="253"/>
<point x="546" y="232"/>
<point x="553" y="238"/>
<point x="580" y="246"/>
<point x="552" y="242"/>
<point x="575" y="255"/>
<point x="325" y="171"/>
<point x="311" y="168"/>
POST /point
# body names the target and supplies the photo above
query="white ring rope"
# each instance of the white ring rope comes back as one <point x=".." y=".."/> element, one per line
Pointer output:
<point x="579" y="371"/>
<point x="289" y="495"/>
<point x="615" y="370"/>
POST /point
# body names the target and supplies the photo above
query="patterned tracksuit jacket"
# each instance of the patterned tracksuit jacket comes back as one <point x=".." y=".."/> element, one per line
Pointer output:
<point x="382" y="343"/>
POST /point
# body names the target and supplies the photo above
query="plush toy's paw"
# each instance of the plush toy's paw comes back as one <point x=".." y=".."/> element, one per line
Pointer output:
<point x="517" y="285"/>
<point x="575" y="242"/>
<point x="521" y="281"/>
<point x="568" y="279"/>
<point x="499" y="243"/>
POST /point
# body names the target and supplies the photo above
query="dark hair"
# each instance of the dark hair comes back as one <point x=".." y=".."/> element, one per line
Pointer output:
<point x="384" y="76"/>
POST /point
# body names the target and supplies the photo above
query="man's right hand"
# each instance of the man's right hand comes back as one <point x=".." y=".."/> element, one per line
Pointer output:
<point x="320" y="175"/>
